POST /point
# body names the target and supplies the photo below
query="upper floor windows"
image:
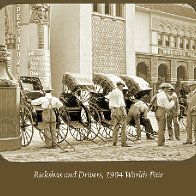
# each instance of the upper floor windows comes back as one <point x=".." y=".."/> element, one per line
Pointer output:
<point x="117" y="10"/>
<point x="175" y="41"/>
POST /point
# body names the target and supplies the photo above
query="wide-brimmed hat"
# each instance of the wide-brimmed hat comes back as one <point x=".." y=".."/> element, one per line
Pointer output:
<point x="47" y="89"/>
<point x="120" y="83"/>
<point x="165" y="85"/>
<point x="171" y="88"/>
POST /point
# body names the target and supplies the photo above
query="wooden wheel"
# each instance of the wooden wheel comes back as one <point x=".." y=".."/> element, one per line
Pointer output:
<point x="62" y="131"/>
<point x="82" y="95"/>
<point x="105" y="132"/>
<point x="26" y="125"/>
<point x="95" y="122"/>
<point x="81" y="128"/>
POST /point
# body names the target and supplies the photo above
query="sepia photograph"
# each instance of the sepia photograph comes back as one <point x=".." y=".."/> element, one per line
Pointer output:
<point x="97" y="82"/>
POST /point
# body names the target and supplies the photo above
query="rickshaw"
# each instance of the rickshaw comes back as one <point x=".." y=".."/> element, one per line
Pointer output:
<point x="82" y="119"/>
<point x="31" y="116"/>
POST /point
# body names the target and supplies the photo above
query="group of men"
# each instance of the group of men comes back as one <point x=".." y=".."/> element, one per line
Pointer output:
<point x="120" y="118"/>
<point x="166" y="108"/>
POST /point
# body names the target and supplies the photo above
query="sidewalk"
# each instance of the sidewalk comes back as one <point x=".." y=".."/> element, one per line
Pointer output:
<point x="146" y="150"/>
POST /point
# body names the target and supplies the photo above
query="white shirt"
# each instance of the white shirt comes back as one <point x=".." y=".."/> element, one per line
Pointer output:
<point x="116" y="98"/>
<point x="44" y="101"/>
<point x="163" y="101"/>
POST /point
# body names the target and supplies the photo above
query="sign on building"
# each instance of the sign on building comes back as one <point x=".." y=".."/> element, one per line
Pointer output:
<point x="39" y="65"/>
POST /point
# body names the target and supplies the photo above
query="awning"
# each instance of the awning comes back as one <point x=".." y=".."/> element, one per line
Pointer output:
<point x="77" y="81"/>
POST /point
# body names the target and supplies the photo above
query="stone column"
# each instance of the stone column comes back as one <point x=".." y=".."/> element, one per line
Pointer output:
<point x="71" y="41"/>
<point x="101" y="8"/>
<point x="173" y="72"/>
<point x="163" y="39"/>
<point x="2" y="26"/>
<point x="154" y="74"/>
<point x="190" y="70"/>
<point x="113" y="9"/>
<point x="130" y="39"/>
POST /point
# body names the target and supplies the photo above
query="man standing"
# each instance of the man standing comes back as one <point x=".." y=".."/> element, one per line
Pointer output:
<point x="118" y="113"/>
<point x="48" y="104"/>
<point x="191" y="115"/>
<point x="138" y="109"/>
<point x="160" y="113"/>
<point x="172" y="115"/>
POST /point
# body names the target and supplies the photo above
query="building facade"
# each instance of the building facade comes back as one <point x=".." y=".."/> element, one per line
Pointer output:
<point x="165" y="43"/>
<point x="156" y="42"/>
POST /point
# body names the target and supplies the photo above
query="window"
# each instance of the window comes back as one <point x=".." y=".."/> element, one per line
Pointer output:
<point x="160" y="39"/>
<point x="166" y="40"/>
<point x="187" y="41"/>
<point x="181" y="42"/>
<point x="107" y="8"/>
<point x="174" y="41"/>
<point x="119" y="10"/>
<point x="95" y="7"/>
<point x="193" y="44"/>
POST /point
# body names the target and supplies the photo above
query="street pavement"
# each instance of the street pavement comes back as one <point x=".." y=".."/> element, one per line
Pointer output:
<point x="144" y="150"/>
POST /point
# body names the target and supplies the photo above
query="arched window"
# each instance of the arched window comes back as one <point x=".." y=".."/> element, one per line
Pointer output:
<point x="180" y="73"/>
<point x="142" y="70"/>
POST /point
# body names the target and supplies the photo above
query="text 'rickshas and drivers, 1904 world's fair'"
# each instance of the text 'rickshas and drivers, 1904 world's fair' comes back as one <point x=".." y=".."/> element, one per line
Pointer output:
<point x="98" y="175"/>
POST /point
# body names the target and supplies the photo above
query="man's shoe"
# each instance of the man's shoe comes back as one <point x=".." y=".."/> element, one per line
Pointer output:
<point x="178" y="138"/>
<point x="171" y="138"/>
<point x="163" y="145"/>
<point x="48" y="147"/>
<point x="154" y="133"/>
<point x="125" y="145"/>
<point x="114" y="144"/>
<point x="186" y="143"/>
<point x="150" y="138"/>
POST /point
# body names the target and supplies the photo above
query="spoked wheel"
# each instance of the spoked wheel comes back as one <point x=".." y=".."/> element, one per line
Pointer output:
<point x="106" y="132"/>
<point x="62" y="131"/>
<point x="26" y="125"/>
<point x="80" y="129"/>
<point x="82" y="95"/>
<point x="95" y="122"/>
<point x="78" y="134"/>
<point x="131" y="131"/>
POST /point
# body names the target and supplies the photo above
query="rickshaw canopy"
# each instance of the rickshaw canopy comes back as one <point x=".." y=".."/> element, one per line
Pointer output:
<point x="137" y="86"/>
<point x="77" y="81"/>
<point x="107" y="81"/>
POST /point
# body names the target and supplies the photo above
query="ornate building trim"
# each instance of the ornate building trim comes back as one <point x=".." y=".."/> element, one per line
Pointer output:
<point x="40" y="14"/>
<point x="172" y="27"/>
